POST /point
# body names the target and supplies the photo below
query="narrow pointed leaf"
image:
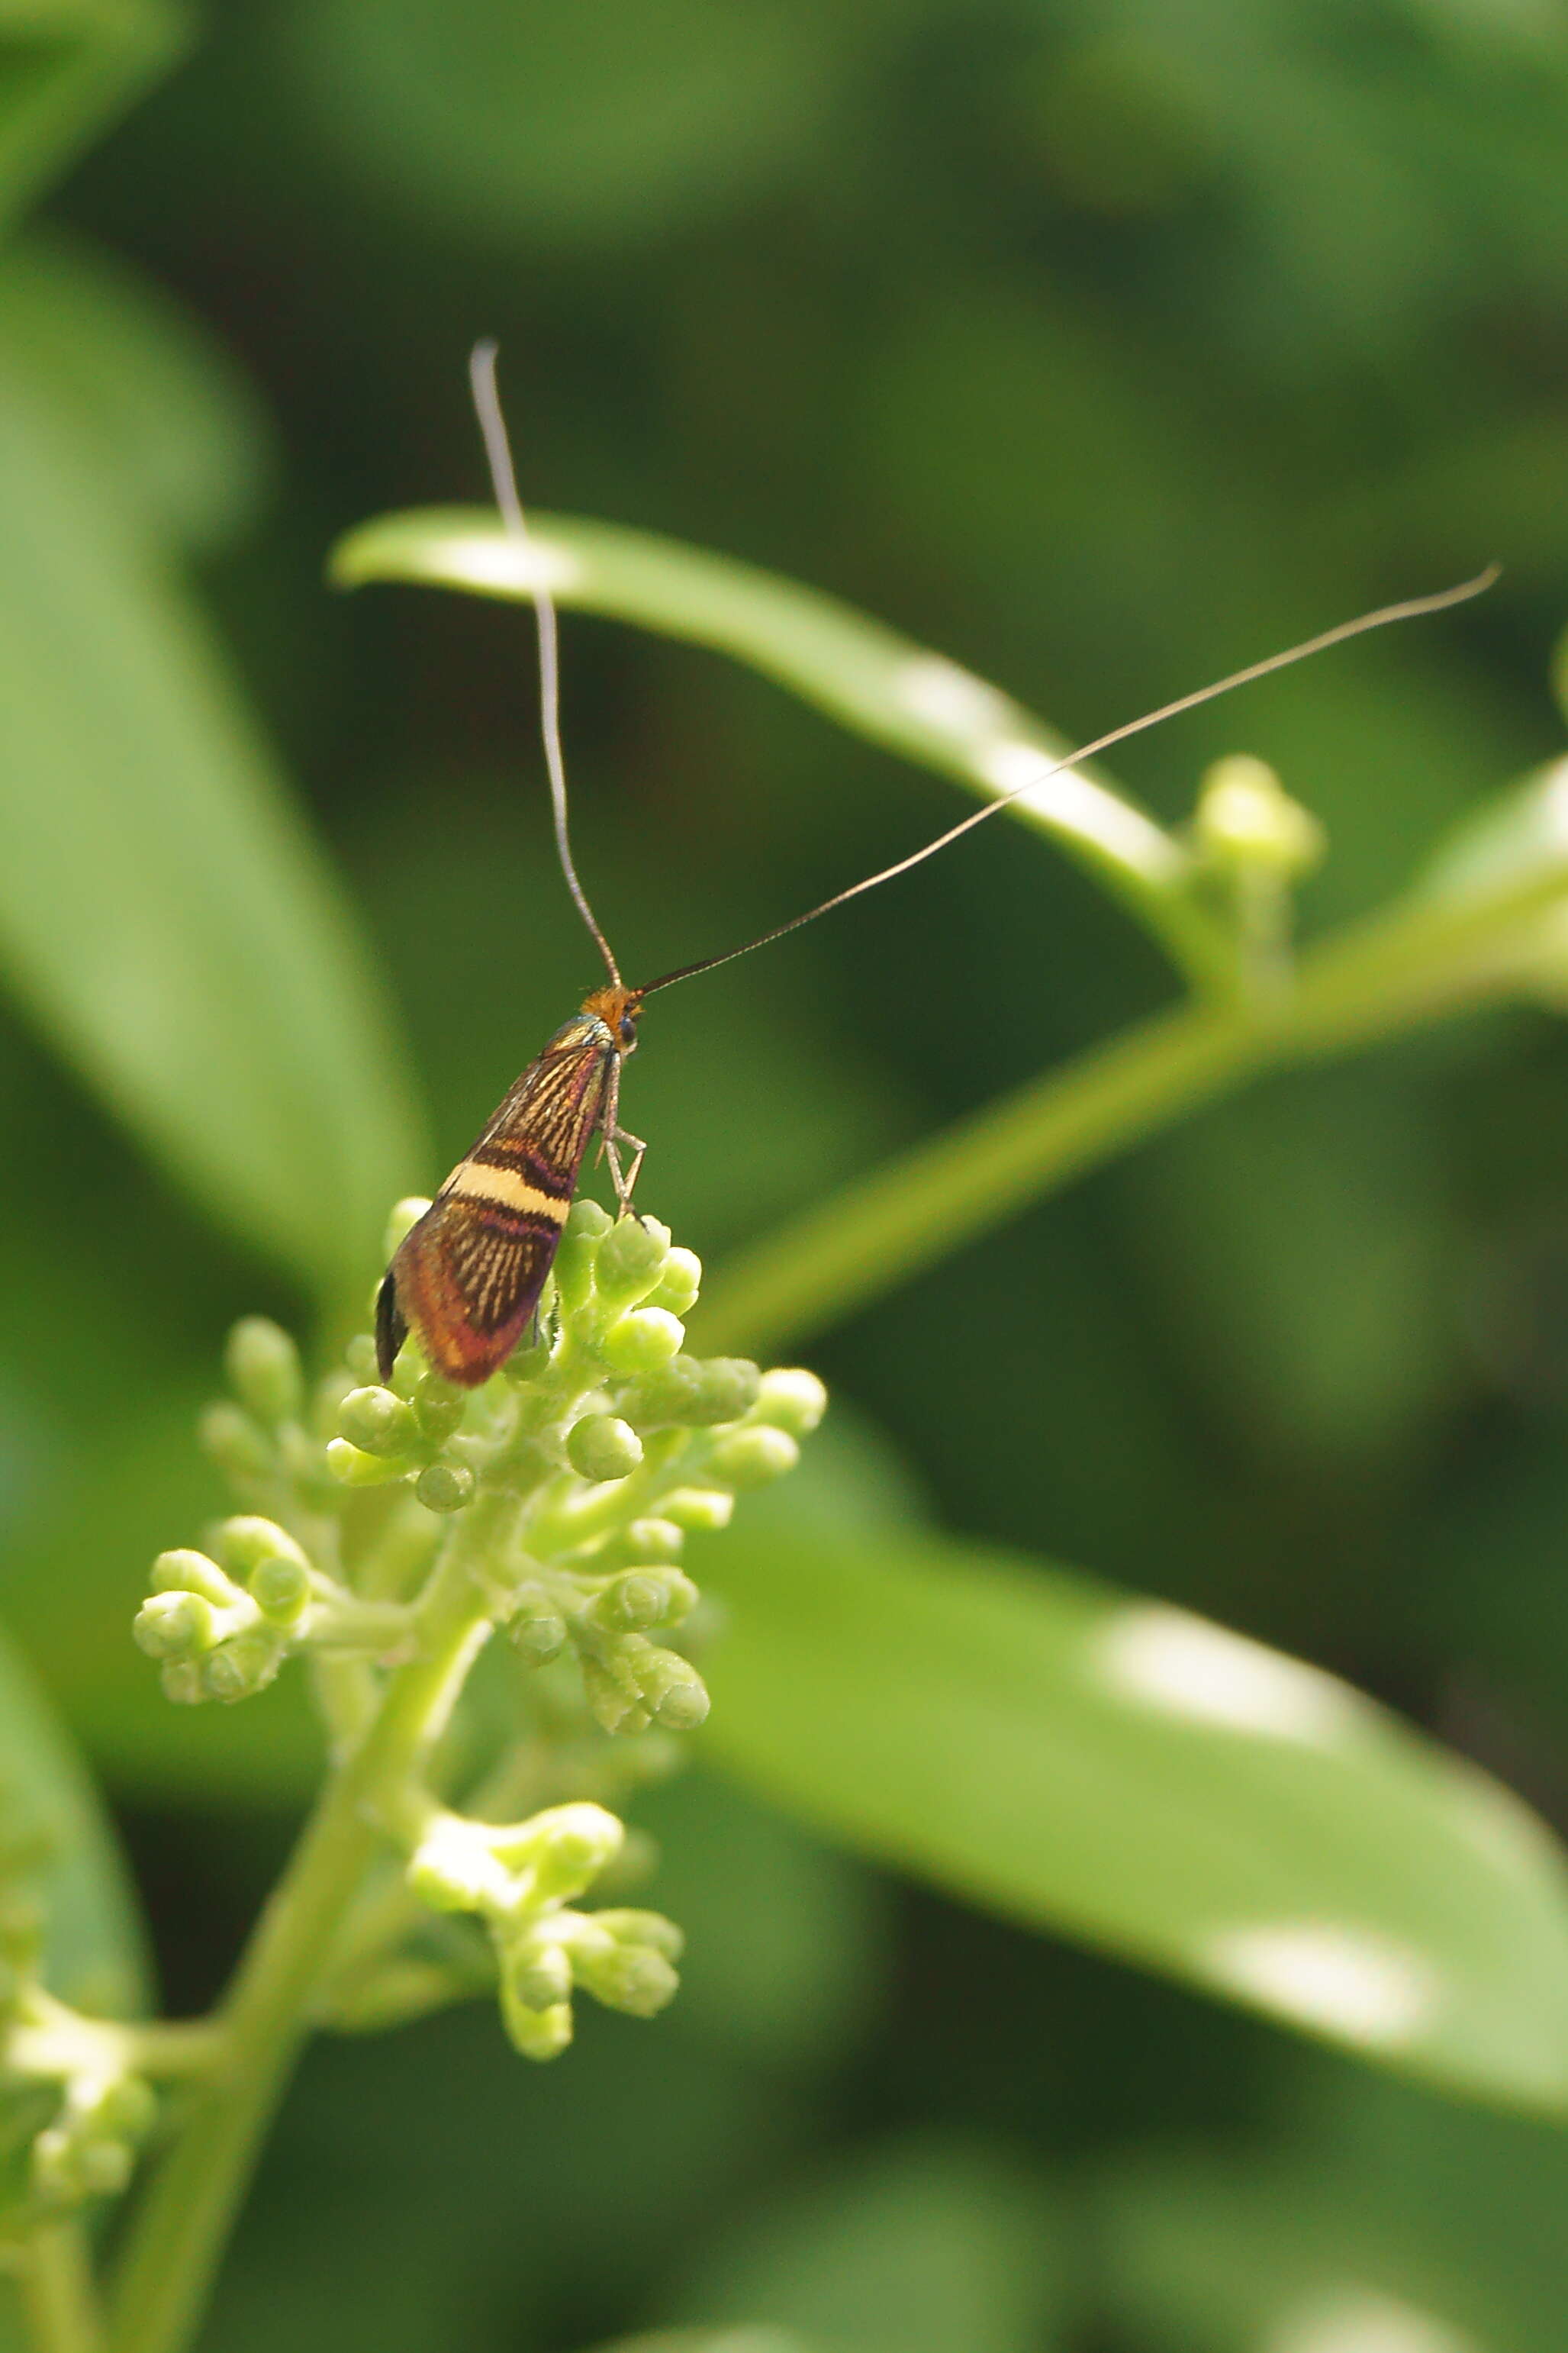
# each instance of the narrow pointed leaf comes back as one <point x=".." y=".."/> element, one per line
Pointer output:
<point x="165" y="914"/>
<point x="56" y="1843"/>
<point x="67" y="66"/>
<point x="863" y="675"/>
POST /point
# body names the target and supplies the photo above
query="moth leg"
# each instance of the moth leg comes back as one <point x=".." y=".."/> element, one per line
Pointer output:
<point x="612" y="1132"/>
<point x="623" y="1184"/>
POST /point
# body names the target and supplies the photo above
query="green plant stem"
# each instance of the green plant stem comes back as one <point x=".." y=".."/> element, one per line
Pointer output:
<point x="177" y="2238"/>
<point x="54" y="2274"/>
<point x="1385" y="976"/>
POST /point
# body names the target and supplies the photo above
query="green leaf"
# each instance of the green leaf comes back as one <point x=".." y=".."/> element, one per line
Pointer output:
<point x="174" y="419"/>
<point x="1134" y="1776"/>
<point x="66" y="68"/>
<point x="1372" y="2219"/>
<point x="921" y="2245"/>
<point x="49" y="1810"/>
<point x="1511" y="852"/>
<point x="865" y="676"/>
<point x="1514" y="842"/>
<point x="165" y="913"/>
<point x="575" y="127"/>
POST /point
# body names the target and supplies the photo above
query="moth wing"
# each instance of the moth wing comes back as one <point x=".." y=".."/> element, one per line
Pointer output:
<point x="469" y="1281"/>
<point x="468" y="1277"/>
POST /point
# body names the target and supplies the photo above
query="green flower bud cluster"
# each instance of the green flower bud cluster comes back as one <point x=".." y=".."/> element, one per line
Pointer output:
<point x="97" y="2111"/>
<point x="391" y="1526"/>
<point x="220" y="1626"/>
<point x="616" y="1444"/>
<point x="90" y="2148"/>
<point x="521" y="1879"/>
<point x="269" y="1438"/>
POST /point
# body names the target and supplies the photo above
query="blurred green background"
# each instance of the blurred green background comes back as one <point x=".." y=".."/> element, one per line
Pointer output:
<point x="1104" y="348"/>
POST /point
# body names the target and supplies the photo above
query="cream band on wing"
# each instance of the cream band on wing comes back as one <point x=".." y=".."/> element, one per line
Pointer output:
<point x="477" y="1180"/>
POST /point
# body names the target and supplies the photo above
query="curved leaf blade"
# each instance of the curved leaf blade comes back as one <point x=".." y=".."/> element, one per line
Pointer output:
<point x="164" y="912"/>
<point x="1129" y="1775"/>
<point x="95" y="1955"/>
<point x="872" y="681"/>
<point x="66" y="68"/>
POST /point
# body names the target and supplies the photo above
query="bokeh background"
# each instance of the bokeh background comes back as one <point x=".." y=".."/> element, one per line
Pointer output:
<point x="1103" y="347"/>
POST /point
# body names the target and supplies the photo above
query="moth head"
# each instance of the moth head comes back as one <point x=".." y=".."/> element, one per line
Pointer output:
<point x="619" y="1011"/>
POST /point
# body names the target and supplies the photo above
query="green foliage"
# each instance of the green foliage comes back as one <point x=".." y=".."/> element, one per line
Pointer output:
<point x="57" y="1846"/>
<point x="1159" y="1785"/>
<point x="1107" y="353"/>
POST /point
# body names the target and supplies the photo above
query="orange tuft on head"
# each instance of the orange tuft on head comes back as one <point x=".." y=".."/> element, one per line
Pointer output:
<point x="617" y="1008"/>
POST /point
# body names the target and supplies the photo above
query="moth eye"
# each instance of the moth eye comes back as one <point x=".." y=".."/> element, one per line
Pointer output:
<point x="628" y="1029"/>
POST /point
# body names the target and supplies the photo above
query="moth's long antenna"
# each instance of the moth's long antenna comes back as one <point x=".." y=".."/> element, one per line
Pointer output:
<point x="1412" y="608"/>
<point x="503" y="476"/>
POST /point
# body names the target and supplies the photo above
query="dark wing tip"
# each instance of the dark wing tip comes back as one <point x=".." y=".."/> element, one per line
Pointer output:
<point x="391" y="1325"/>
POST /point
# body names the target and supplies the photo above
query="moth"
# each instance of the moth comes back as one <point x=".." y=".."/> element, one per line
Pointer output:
<point x="469" y="1276"/>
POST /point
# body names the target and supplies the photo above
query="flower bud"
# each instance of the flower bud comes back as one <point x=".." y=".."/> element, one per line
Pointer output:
<point x="600" y="1447"/>
<point x="182" y="1682"/>
<point x="641" y="1340"/>
<point x="631" y="1603"/>
<point x="650" y="1928"/>
<point x="439" y="1408"/>
<point x="729" y="1386"/>
<point x="586" y="1225"/>
<point x="263" y="1368"/>
<point x="791" y="1398"/>
<point x="613" y="1708"/>
<point x="535" y="2033"/>
<point x="354" y="1467"/>
<point x="568" y="1846"/>
<point x="1246" y="818"/>
<point x="529" y="1360"/>
<point x="303" y="1459"/>
<point x="691" y="1392"/>
<point x="538" y="1975"/>
<point x="230" y="1439"/>
<point x="587" y="1221"/>
<point x="360" y="1360"/>
<point x="68" y="2167"/>
<point x="378" y="1422"/>
<point x="631" y="1259"/>
<point x="673" y="1692"/>
<point x="454" y="1868"/>
<point x="173" y="1626"/>
<point x="654" y="1540"/>
<point x="280" y="1590"/>
<point x="702" y="1509"/>
<point x="445" y="1486"/>
<point x="126" y="2109"/>
<point x="632" y="1978"/>
<point x="184" y="1571"/>
<point x="680" y="1284"/>
<point x="244" y="1543"/>
<point x="754" y="1457"/>
<point x="246" y="1664"/>
<point x="538" y="1629"/>
<point x="404" y="1217"/>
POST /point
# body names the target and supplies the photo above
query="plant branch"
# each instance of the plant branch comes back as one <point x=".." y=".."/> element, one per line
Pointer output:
<point x="53" y="2275"/>
<point x="1423" y="958"/>
<point x="178" y="2236"/>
